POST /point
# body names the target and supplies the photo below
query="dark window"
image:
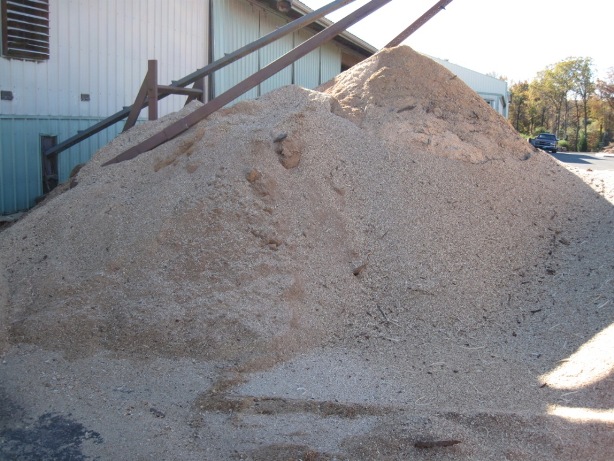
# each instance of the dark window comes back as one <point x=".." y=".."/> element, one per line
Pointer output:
<point x="25" y="29"/>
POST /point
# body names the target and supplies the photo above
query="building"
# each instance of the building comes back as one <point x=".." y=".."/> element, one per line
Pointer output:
<point x="491" y="89"/>
<point x="67" y="64"/>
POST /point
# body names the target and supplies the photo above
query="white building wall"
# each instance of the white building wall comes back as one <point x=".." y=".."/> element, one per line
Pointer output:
<point x="330" y="58"/>
<point x="101" y="48"/>
<point x="269" y="22"/>
<point x="236" y="23"/>
<point x="491" y="89"/>
<point x="306" y="69"/>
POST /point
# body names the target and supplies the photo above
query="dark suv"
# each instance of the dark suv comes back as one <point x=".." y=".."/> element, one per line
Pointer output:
<point x="545" y="141"/>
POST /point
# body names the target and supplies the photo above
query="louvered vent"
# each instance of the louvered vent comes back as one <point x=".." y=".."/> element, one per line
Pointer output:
<point x="25" y="29"/>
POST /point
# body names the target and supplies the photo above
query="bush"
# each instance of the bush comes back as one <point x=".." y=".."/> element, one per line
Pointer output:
<point x="563" y="144"/>
<point x="582" y="143"/>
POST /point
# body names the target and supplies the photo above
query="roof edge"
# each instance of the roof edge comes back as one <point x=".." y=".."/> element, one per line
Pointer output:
<point x="302" y="9"/>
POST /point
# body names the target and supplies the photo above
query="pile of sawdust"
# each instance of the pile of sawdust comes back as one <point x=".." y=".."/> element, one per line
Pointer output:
<point x="412" y="103"/>
<point x="393" y="215"/>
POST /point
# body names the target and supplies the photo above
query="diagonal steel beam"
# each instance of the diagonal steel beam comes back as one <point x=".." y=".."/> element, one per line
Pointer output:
<point x="268" y="71"/>
<point x="261" y="42"/>
<point x="203" y="72"/>
<point x="441" y="5"/>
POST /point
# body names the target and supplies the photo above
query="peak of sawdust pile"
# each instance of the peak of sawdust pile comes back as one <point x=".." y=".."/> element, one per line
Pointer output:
<point x="290" y="222"/>
<point x="411" y="102"/>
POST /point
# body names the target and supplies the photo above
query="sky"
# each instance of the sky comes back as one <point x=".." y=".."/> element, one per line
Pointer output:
<point x="508" y="38"/>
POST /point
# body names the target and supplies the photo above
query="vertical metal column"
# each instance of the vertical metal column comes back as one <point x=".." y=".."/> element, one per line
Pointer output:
<point x="268" y="71"/>
<point x="152" y="89"/>
<point x="201" y="73"/>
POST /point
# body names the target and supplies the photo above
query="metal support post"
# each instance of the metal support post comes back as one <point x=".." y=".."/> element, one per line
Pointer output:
<point x="266" y="72"/>
<point x="441" y="5"/>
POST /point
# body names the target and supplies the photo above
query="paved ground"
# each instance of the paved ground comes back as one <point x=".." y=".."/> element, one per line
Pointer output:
<point x="596" y="162"/>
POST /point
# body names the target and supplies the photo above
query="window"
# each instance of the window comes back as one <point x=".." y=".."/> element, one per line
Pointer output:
<point x="25" y="29"/>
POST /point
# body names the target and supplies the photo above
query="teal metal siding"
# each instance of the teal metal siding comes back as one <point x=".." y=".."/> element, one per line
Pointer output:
<point x="18" y="169"/>
<point x="21" y="165"/>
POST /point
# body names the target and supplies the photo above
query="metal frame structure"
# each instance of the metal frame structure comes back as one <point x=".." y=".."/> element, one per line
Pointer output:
<point x="150" y="92"/>
<point x="203" y="72"/>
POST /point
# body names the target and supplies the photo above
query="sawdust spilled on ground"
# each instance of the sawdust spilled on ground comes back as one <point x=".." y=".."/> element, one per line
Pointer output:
<point x="391" y="211"/>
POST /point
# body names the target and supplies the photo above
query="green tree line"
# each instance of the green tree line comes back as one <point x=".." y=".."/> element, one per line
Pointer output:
<point x="568" y="100"/>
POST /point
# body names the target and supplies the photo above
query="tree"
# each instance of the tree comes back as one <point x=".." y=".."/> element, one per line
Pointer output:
<point x="605" y="89"/>
<point x="604" y="106"/>
<point x="553" y="85"/>
<point x="562" y="99"/>
<point x="519" y="107"/>
<point x="584" y="88"/>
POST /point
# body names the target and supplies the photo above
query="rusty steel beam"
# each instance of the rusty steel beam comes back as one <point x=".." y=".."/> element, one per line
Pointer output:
<point x="139" y="103"/>
<point x="199" y="85"/>
<point x="151" y="92"/>
<point x="203" y="72"/>
<point x="441" y="5"/>
<point x="261" y="42"/>
<point x="268" y="71"/>
<point x="164" y="89"/>
<point x="152" y="89"/>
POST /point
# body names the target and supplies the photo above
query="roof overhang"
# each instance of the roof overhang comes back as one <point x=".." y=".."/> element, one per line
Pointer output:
<point x="295" y="9"/>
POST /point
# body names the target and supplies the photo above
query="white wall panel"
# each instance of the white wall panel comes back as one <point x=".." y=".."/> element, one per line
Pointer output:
<point x="306" y="69"/>
<point x="239" y="22"/>
<point x="269" y="22"/>
<point x="235" y="24"/>
<point x="490" y="88"/>
<point x="330" y="58"/>
<point x="101" y="48"/>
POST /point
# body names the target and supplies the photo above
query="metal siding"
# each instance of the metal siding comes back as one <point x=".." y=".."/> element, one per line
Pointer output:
<point x="98" y="47"/>
<point x="234" y="26"/>
<point x="19" y="174"/>
<point x="239" y="22"/>
<point x="268" y="23"/>
<point x="330" y="62"/>
<point x="20" y="169"/>
<point x="101" y="47"/>
<point x="79" y="154"/>
<point x="306" y="69"/>
<point x="489" y="88"/>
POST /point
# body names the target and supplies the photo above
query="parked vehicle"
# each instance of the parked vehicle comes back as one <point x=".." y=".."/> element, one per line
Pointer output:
<point x="545" y="141"/>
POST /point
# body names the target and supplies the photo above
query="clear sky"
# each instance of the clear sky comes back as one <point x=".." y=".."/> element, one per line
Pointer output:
<point x="515" y="39"/>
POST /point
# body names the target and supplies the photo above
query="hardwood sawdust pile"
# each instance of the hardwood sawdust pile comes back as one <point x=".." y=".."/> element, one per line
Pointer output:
<point x="381" y="269"/>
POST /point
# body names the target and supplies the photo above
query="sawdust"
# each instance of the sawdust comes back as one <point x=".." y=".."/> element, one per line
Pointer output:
<point x="379" y="264"/>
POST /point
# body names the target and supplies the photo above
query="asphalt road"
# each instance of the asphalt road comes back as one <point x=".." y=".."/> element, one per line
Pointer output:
<point x="595" y="162"/>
